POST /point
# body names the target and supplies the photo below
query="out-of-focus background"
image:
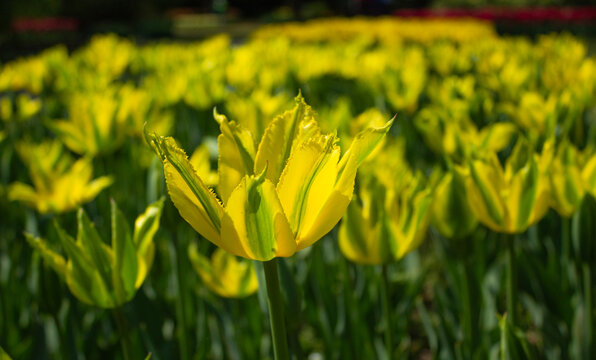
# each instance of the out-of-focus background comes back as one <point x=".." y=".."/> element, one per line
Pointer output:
<point x="470" y="234"/>
<point x="30" y="25"/>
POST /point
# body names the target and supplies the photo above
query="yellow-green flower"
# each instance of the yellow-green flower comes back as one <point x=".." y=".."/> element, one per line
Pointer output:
<point x="512" y="199"/>
<point x="93" y="126"/>
<point x="102" y="275"/>
<point x="224" y="274"/>
<point x="59" y="183"/>
<point x="390" y="215"/>
<point x="276" y="196"/>
<point x="566" y="183"/>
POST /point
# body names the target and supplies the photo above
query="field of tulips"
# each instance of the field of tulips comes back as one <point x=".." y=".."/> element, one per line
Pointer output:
<point x="335" y="189"/>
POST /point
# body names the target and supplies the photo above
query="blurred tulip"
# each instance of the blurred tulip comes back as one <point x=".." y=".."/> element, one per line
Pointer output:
<point x="100" y="275"/>
<point x="512" y="199"/>
<point x="224" y="274"/>
<point x="92" y="127"/>
<point x="390" y="214"/>
<point x="566" y="184"/>
<point x="59" y="184"/>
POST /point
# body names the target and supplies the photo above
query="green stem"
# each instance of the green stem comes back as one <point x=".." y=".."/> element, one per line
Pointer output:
<point x="123" y="332"/>
<point x="276" y="313"/>
<point x="511" y="279"/>
<point x="386" y="312"/>
<point x="566" y="256"/>
<point x="588" y="308"/>
<point x="467" y="322"/>
<point x="181" y="316"/>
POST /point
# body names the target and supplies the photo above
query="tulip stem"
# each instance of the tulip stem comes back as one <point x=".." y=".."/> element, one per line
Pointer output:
<point x="511" y="279"/>
<point x="123" y="332"/>
<point x="588" y="307"/>
<point x="386" y="311"/>
<point x="276" y="313"/>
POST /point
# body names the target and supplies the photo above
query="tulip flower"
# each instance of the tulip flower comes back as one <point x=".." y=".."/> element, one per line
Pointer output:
<point x="93" y="126"/>
<point x="566" y="184"/>
<point x="390" y="215"/>
<point x="224" y="274"/>
<point x="512" y="199"/>
<point x="100" y="275"/>
<point x="59" y="184"/>
<point x="275" y="198"/>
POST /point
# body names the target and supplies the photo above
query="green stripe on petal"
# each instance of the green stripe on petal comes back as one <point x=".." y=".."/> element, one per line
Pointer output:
<point x="259" y="224"/>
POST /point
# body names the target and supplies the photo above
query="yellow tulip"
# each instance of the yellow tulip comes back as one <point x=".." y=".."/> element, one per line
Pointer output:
<point x="59" y="184"/>
<point x="390" y="215"/>
<point x="512" y="199"/>
<point x="275" y="197"/>
<point x="224" y="274"/>
<point x="566" y="183"/>
<point x="92" y="127"/>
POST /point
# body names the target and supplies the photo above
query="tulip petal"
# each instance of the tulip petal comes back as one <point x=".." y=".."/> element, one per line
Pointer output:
<point x="307" y="181"/>
<point x="254" y="224"/>
<point x="336" y="203"/>
<point x="82" y="278"/>
<point x="195" y="202"/>
<point x="452" y="215"/>
<point x="125" y="262"/>
<point x="279" y="139"/>
<point x="483" y="187"/>
<point x="358" y="240"/>
<point x="236" y="154"/>
<point x="146" y="226"/>
<point x="589" y="175"/>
